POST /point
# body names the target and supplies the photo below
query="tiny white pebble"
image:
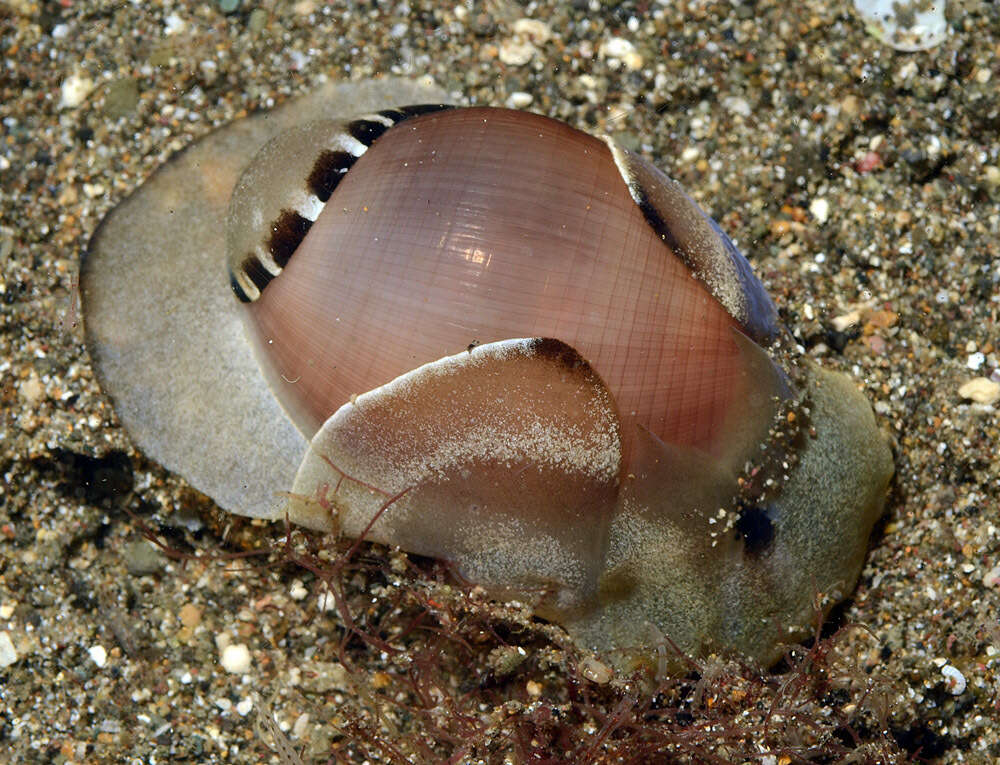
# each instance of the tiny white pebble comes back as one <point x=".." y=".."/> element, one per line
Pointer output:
<point x="842" y="322"/>
<point x="982" y="390"/>
<point x="74" y="91"/>
<point x="595" y="671"/>
<point x="173" y="24"/>
<point x="236" y="659"/>
<point x="326" y="601"/>
<point x="975" y="360"/>
<point x="298" y="591"/>
<point x="519" y="99"/>
<point x="954" y="680"/>
<point x="992" y="577"/>
<point x="820" y="209"/>
<point x="537" y="31"/>
<point x="8" y="654"/>
<point x="244" y="707"/>
<point x="737" y="105"/>
<point x="620" y="49"/>
<point x="516" y="53"/>
<point x="301" y="726"/>
<point x="98" y="655"/>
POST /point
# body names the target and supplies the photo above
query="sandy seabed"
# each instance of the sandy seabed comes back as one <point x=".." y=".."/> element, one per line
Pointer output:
<point x="862" y="182"/>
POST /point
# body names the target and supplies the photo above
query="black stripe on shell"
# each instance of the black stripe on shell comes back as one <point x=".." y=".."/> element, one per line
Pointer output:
<point x="329" y="168"/>
<point x="234" y="285"/>
<point x="655" y="220"/>
<point x="402" y="113"/>
<point x="366" y="131"/>
<point x="255" y="272"/>
<point x="287" y="234"/>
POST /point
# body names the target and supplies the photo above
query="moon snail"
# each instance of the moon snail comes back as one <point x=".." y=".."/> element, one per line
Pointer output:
<point x="485" y="336"/>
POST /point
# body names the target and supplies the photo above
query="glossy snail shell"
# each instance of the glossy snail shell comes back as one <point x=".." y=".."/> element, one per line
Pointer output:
<point x="525" y="350"/>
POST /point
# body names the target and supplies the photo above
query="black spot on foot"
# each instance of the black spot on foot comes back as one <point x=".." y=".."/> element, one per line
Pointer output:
<point x="756" y="528"/>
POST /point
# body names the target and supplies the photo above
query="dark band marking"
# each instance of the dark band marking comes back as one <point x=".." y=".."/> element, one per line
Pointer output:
<point x="396" y="115"/>
<point x="366" y="131"/>
<point x="256" y="272"/>
<point x="327" y="171"/>
<point x="655" y="220"/>
<point x="756" y="528"/>
<point x="237" y="289"/>
<point x="405" y="112"/>
<point x="286" y="234"/>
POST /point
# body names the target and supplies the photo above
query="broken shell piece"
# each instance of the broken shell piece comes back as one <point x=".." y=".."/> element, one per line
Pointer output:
<point x="982" y="390"/>
<point x="907" y="25"/>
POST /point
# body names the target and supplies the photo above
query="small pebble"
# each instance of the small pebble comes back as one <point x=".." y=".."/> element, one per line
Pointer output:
<point x="173" y="24"/>
<point x="322" y="676"/>
<point x="534" y="30"/>
<point x="74" y="91"/>
<point x="236" y="659"/>
<point x="982" y="390"/>
<point x="518" y="100"/>
<point x="257" y="20"/>
<point x="301" y="726"/>
<point x="954" y="680"/>
<point x="8" y="654"/>
<point x="32" y="390"/>
<point x="820" y="209"/>
<point x="620" y="49"/>
<point x="514" y="52"/>
<point x="737" y="105"/>
<point x="595" y="671"/>
<point x="992" y="577"/>
<point x="141" y="558"/>
<point x="190" y="615"/>
<point x="98" y="655"/>
<point x="244" y="707"/>
<point x="121" y="97"/>
<point x="975" y="361"/>
<point x="844" y="321"/>
<point x="298" y="590"/>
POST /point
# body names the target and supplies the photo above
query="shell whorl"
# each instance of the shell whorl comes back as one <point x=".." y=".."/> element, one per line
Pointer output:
<point x="272" y="215"/>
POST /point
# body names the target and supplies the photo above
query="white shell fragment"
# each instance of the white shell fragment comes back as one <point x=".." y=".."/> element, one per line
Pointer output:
<point x="954" y="680"/>
<point x="906" y="26"/>
<point x="982" y="390"/>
